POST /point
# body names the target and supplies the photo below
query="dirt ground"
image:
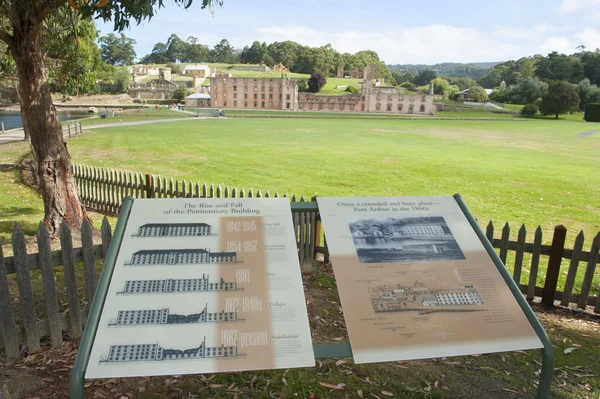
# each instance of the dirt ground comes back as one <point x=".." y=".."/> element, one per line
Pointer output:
<point x="497" y="376"/>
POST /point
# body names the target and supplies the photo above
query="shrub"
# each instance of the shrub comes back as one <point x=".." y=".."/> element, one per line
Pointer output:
<point x="316" y="82"/>
<point x="592" y="112"/>
<point x="180" y="93"/>
<point x="529" y="110"/>
<point x="352" y="89"/>
<point x="409" y="86"/>
<point x="302" y="84"/>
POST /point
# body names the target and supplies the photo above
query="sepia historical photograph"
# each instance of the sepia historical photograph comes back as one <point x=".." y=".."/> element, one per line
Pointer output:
<point x="386" y="239"/>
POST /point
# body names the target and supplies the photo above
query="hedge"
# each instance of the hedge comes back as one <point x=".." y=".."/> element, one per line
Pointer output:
<point x="592" y="112"/>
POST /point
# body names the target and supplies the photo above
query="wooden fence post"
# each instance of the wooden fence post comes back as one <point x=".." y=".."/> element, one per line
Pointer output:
<point x="87" y="244"/>
<point x="8" y="327"/>
<point x="51" y="299"/>
<point x="589" y="273"/>
<point x="149" y="185"/>
<point x="25" y="294"/>
<point x="66" y="247"/>
<point x="556" y="255"/>
<point x="106" y="234"/>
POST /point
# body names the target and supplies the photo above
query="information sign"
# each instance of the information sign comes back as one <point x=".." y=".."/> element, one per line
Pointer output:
<point x="202" y="286"/>
<point x="416" y="282"/>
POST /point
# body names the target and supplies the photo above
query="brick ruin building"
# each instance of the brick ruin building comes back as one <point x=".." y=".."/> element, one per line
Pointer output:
<point x="282" y="94"/>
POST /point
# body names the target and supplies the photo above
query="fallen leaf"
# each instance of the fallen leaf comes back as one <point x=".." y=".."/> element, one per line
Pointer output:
<point x="340" y="362"/>
<point x="339" y="386"/>
<point x="360" y="393"/>
<point x="338" y="338"/>
<point x="510" y="390"/>
<point x="386" y="393"/>
<point x="284" y="382"/>
<point x="569" y="350"/>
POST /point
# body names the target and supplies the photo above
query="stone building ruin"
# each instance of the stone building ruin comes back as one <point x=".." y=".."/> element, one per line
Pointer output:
<point x="282" y="94"/>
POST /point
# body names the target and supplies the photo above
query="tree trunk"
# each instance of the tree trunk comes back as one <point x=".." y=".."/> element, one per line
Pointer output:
<point x="56" y="182"/>
<point x="556" y="117"/>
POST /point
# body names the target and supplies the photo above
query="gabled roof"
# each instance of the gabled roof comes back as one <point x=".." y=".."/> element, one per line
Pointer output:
<point x="199" y="95"/>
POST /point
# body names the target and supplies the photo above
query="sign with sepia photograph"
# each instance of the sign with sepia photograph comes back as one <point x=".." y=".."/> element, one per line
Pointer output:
<point x="415" y="281"/>
<point x="202" y="286"/>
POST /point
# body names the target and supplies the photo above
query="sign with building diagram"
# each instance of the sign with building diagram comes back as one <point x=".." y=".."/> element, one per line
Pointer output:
<point x="416" y="282"/>
<point x="202" y="286"/>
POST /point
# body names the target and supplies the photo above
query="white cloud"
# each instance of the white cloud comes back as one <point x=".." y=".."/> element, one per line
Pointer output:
<point x="589" y="37"/>
<point x="560" y="44"/>
<point x="569" y="6"/>
<point x="532" y="32"/>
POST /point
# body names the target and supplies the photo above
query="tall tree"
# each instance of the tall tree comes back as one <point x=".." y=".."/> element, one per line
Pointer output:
<point x="425" y="77"/>
<point x="561" y="98"/>
<point x="196" y="52"/>
<point x="176" y="48"/>
<point x="117" y="50"/>
<point x="223" y="52"/>
<point x="157" y="56"/>
<point x="21" y="27"/>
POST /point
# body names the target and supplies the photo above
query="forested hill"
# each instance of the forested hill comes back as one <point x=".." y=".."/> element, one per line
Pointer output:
<point x="475" y="70"/>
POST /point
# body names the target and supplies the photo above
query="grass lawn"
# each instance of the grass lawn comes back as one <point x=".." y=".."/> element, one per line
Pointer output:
<point x="532" y="172"/>
<point x="526" y="171"/>
<point x="21" y="204"/>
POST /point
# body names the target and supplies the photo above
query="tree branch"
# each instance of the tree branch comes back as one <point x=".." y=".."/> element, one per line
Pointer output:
<point x="42" y="13"/>
<point x="6" y="38"/>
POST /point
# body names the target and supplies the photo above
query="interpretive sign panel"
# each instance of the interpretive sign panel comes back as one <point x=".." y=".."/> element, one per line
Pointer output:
<point x="201" y="286"/>
<point x="416" y="282"/>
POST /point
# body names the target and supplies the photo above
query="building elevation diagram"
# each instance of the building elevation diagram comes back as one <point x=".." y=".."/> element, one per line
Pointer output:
<point x="174" y="230"/>
<point x="154" y="352"/>
<point x="165" y="317"/>
<point x="397" y="298"/>
<point x="153" y="257"/>
<point x="167" y="286"/>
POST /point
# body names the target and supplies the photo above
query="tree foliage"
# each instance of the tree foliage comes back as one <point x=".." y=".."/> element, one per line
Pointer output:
<point x="529" y="110"/>
<point x="316" y="82"/>
<point x="180" y="93"/>
<point x="441" y="86"/>
<point x="117" y="50"/>
<point x="562" y="97"/>
<point x="588" y="93"/>
<point x="72" y="54"/>
<point x="425" y="77"/>
<point x="527" y="91"/>
<point x="477" y="93"/>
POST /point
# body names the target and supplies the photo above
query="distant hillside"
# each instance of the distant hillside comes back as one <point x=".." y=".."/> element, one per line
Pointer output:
<point x="474" y="70"/>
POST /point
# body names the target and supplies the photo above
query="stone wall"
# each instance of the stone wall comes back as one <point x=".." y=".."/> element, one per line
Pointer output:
<point x="345" y="103"/>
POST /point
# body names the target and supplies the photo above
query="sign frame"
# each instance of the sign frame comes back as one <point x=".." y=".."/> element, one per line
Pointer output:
<point x="325" y="351"/>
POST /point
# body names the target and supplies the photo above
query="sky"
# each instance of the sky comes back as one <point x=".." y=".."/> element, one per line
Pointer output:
<point x="402" y="32"/>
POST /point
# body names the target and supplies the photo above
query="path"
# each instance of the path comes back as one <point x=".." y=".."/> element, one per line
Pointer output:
<point x="13" y="135"/>
<point x="586" y="133"/>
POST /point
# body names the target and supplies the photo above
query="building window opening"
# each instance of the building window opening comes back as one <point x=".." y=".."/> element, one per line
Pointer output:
<point x="422" y="108"/>
<point x="288" y="105"/>
<point x="389" y="106"/>
<point x="378" y="107"/>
